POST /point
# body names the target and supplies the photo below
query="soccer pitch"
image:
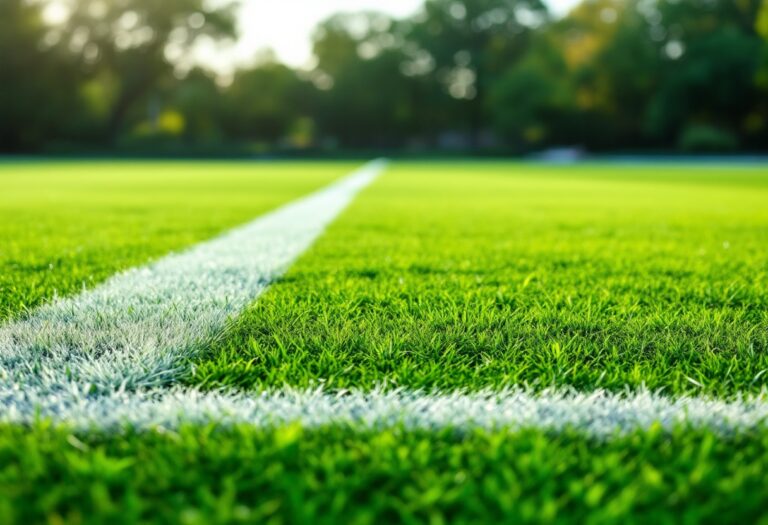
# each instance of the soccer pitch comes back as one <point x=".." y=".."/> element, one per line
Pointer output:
<point x="392" y="342"/>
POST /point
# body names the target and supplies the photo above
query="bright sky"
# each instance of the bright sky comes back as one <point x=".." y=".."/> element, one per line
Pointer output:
<point x="286" y="26"/>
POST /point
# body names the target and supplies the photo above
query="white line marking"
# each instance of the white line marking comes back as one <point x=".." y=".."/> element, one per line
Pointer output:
<point x="598" y="414"/>
<point x="136" y="329"/>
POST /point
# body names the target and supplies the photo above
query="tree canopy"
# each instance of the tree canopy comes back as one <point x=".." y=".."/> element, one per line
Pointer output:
<point x="497" y="75"/>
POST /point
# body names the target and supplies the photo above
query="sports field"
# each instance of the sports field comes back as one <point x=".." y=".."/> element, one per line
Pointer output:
<point x="423" y="342"/>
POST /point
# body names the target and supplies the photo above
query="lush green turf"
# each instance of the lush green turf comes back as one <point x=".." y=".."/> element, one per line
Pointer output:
<point x="485" y="275"/>
<point x="65" y="225"/>
<point x="203" y="476"/>
<point x="461" y="275"/>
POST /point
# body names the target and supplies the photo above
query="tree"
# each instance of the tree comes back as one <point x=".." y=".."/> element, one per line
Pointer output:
<point x="533" y="102"/>
<point x="712" y="60"/>
<point x="39" y="83"/>
<point x="131" y="45"/>
<point x="199" y="100"/>
<point x="472" y="43"/>
<point x="364" y="98"/>
<point x="263" y="103"/>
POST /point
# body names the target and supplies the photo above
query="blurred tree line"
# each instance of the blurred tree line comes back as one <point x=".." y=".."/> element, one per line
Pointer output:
<point x="496" y="75"/>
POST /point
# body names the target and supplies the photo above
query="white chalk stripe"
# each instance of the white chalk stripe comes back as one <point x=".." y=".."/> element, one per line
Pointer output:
<point x="136" y="329"/>
<point x="599" y="414"/>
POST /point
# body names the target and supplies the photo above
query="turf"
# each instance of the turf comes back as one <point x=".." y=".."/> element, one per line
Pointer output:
<point x="463" y="276"/>
<point x="68" y="225"/>
<point x="337" y="475"/>
<point x="440" y="276"/>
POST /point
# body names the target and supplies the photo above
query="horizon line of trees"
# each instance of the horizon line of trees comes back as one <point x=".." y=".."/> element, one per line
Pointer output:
<point x="497" y="75"/>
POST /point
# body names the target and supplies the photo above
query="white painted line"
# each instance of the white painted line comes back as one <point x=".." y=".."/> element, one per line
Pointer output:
<point x="598" y="414"/>
<point x="138" y="328"/>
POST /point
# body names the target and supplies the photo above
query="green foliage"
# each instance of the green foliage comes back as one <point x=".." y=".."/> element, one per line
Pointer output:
<point x="471" y="44"/>
<point x="695" y="92"/>
<point x="263" y="103"/>
<point x="707" y="139"/>
<point x="38" y="84"/>
<point x="364" y="99"/>
<point x="488" y="275"/>
<point x="107" y="57"/>
<point x="525" y="100"/>
<point x="458" y="74"/>
<point x="129" y="42"/>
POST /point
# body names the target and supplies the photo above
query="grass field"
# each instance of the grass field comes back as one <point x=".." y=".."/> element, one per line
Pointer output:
<point x="439" y="278"/>
<point x="66" y="225"/>
<point x="477" y="275"/>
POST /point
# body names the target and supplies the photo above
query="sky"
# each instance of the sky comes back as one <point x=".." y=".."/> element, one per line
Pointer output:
<point x="286" y="27"/>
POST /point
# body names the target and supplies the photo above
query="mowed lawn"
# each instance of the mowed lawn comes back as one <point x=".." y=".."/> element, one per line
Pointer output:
<point x="481" y="275"/>
<point x="442" y="277"/>
<point x="65" y="225"/>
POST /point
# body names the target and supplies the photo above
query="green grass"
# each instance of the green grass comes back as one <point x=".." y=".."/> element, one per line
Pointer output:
<point x="462" y="275"/>
<point x="68" y="225"/>
<point x="337" y="475"/>
<point x="486" y="275"/>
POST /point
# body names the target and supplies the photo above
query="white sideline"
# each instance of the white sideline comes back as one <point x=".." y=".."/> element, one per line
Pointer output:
<point x="138" y="328"/>
<point x="598" y="414"/>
